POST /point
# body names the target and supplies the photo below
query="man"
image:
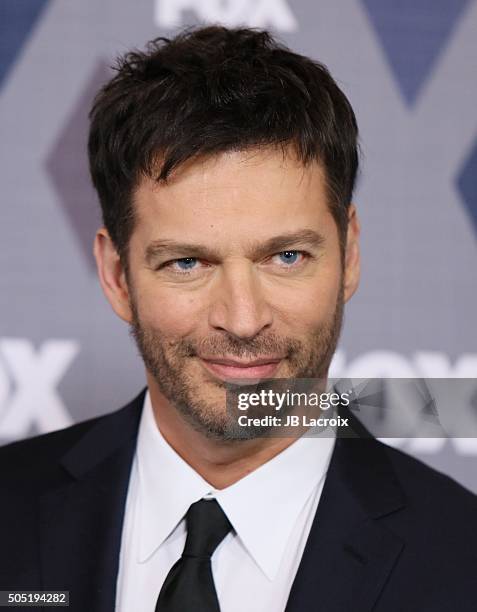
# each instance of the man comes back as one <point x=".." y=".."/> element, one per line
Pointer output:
<point x="225" y="166"/>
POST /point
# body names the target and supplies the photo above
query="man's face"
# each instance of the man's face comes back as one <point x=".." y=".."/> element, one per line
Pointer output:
<point x="235" y="272"/>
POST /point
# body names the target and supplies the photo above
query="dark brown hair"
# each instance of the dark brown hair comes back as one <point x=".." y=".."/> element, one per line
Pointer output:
<point x="211" y="90"/>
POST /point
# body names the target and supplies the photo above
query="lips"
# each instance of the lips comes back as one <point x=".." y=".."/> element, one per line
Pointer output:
<point x="233" y="368"/>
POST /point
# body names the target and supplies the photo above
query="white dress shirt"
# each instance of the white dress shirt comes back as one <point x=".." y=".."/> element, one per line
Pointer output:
<point x="271" y="511"/>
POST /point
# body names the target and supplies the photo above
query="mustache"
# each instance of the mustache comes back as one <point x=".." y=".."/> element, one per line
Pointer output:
<point x="229" y="346"/>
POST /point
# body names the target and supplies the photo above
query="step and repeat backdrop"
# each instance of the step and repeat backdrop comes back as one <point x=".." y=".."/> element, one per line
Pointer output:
<point x="409" y="68"/>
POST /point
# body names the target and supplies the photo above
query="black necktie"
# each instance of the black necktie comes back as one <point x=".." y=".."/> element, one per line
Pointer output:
<point x="189" y="585"/>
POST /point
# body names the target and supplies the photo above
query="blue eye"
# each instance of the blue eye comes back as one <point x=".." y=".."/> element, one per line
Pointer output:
<point x="289" y="257"/>
<point x="186" y="263"/>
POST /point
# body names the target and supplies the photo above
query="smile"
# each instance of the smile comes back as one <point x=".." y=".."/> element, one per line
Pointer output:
<point x="228" y="368"/>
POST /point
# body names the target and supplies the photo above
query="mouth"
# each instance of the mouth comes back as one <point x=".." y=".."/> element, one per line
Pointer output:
<point x="237" y="369"/>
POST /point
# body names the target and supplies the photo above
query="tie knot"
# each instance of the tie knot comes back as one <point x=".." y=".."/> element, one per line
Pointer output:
<point x="207" y="526"/>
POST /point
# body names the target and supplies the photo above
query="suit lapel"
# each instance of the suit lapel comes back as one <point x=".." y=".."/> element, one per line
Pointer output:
<point x="345" y="564"/>
<point x="349" y="553"/>
<point x="81" y="522"/>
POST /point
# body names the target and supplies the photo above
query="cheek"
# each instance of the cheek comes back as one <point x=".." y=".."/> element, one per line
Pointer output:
<point x="169" y="311"/>
<point x="307" y="309"/>
<point x="310" y="302"/>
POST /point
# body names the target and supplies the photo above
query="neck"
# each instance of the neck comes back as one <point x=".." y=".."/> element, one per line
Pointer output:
<point x="221" y="463"/>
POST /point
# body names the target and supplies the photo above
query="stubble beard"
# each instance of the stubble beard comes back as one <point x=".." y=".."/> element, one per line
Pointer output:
<point x="167" y="360"/>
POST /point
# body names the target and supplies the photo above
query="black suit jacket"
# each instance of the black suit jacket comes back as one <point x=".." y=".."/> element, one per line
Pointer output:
<point x="389" y="535"/>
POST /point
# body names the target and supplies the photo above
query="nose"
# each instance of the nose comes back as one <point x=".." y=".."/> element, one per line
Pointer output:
<point x="239" y="306"/>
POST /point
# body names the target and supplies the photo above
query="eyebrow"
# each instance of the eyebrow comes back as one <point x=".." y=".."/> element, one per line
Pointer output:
<point x="305" y="237"/>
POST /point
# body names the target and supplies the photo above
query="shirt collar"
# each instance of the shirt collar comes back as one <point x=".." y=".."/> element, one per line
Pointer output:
<point x="263" y="507"/>
<point x="167" y="485"/>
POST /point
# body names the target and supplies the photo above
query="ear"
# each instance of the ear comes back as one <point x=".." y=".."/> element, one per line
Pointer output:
<point x="111" y="274"/>
<point x="352" y="268"/>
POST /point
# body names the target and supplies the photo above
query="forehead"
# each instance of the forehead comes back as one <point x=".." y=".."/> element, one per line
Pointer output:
<point x="226" y="196"/>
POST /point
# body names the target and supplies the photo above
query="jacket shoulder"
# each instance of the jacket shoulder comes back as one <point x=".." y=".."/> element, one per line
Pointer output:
<point x="437" y="501"/>
<point x="416" y="473"/>
<point x="33" y="459"/>
<point x="45" y="446"/>
<point x="34" y="463"/>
